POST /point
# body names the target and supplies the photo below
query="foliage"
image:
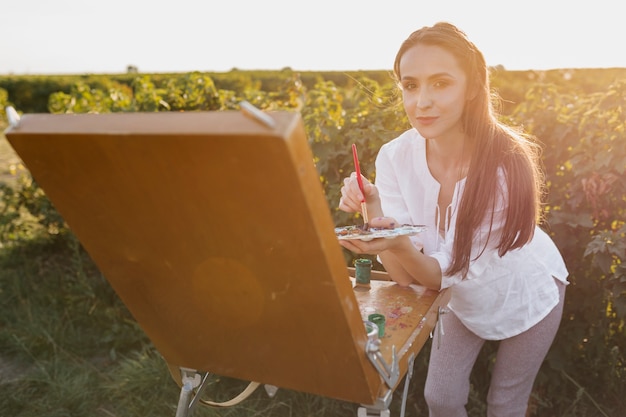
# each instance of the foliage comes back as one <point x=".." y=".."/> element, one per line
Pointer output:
<point x="579" y="120"/>
<point x="83" y="98"/>
<point x="24" y="206"/>
<point x="30" y="93"/>
<point x="584" y="157"/>
<point x="4" y="102"/>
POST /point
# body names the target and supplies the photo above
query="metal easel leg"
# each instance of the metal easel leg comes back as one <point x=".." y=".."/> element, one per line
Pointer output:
<point x="186" y="393"/>
<point x="370" y="412"/>
<point x="191" y="380"/>
<point x="405" y="392"/>
<point x="381" y="408"/>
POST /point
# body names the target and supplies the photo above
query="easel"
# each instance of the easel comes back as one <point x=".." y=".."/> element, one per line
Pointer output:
<point x="215" y="223"/>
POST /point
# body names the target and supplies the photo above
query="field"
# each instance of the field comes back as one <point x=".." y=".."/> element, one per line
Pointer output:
<point x="69" y="347"/>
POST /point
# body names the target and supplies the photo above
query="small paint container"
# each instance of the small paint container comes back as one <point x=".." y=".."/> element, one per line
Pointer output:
<point x="379" y="320"/>
<point x="362" y="272"/>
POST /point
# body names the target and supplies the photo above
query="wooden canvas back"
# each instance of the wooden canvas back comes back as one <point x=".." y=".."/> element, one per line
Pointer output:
<point x="215" y="232"/>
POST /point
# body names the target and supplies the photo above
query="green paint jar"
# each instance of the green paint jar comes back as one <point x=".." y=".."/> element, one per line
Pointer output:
<point x="363" y="272"/>
<point x="378" y="320"/>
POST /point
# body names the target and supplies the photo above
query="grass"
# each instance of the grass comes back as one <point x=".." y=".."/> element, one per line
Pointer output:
<point x="70" y="348"/>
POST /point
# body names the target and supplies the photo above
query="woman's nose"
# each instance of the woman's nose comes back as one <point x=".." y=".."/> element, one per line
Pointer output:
<point x="424" y="100"/>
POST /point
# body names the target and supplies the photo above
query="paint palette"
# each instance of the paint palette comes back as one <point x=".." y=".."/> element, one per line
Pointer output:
<point x="357" y="232"/>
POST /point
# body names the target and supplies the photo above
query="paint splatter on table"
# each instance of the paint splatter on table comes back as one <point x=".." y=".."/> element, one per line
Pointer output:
<point x="407" y="310"/>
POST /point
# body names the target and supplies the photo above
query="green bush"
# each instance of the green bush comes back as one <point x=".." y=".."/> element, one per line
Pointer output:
<point x="585" y="160"/>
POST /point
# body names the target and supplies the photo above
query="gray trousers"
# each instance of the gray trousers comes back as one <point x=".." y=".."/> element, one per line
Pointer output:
<point x="517" y="363"/>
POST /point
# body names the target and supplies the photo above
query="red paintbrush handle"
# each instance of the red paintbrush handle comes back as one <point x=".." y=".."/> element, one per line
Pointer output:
<point x="358" y="169"/>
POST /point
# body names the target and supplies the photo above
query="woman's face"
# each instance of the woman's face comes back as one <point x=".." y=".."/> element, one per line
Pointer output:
<point x="433" y="91"/>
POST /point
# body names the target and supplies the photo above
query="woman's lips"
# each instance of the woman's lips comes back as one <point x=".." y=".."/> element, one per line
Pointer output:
<point x="425" y="121"/>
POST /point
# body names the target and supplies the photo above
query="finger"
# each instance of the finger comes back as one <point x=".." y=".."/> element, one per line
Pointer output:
<point x="350" y="196"/>
<point x="342" y="205"/>
<point x="348" y="244"/>
<point x="351" y="187"/>
<point x="346" y="204"/>
<point x="384" y="222"/>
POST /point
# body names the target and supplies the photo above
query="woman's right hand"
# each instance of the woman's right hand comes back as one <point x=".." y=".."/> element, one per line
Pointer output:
<point x="351" y="196"/>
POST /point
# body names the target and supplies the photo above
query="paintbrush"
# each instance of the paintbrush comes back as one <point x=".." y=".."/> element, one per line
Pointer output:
<point x="360" y="181"/>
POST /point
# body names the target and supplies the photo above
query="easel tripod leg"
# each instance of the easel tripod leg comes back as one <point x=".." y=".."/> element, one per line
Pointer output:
<point x="184" y="400"/>
<point x="381" y="409"/>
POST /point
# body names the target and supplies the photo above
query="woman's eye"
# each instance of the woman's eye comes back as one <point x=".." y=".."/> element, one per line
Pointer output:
<point x="440" y="84"/>
<point x="409" y="86"/>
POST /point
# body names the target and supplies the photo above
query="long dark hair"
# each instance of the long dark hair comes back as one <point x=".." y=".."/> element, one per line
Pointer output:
<point x="494" y="146"/>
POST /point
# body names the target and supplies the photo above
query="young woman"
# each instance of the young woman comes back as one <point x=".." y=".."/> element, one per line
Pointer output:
<point x="475" y="183"/>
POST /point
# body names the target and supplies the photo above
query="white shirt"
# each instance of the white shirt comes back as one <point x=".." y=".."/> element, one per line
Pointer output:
<point x="501" y="296"/>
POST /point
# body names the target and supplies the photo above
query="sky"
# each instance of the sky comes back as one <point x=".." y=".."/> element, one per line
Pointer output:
<point x="103" y="37"/>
